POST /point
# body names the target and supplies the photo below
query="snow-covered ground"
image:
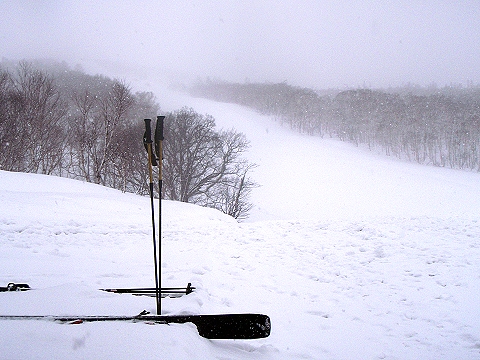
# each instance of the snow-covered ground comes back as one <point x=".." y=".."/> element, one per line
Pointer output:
<point x="353" y="255"/>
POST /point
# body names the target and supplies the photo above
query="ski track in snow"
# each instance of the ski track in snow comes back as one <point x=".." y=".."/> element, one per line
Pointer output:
<point x="393" y="284"/>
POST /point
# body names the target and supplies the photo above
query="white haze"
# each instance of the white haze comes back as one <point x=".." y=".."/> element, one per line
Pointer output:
<point x="308" y="43"/>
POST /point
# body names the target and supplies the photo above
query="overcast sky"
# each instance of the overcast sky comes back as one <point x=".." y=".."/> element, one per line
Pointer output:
<point x="317" y="44"/>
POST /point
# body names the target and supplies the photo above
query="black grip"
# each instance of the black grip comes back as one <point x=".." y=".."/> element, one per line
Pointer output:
<point x="147" y="137"/>
<point x="159" y="129"/>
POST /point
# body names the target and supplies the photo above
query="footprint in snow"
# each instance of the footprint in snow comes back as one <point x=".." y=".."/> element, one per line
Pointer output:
<point x="201" y="271"/>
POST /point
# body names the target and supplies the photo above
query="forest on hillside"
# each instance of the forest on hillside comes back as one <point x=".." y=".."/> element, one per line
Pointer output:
<point x="60" y="121"/>
<point x="436" y="126"/>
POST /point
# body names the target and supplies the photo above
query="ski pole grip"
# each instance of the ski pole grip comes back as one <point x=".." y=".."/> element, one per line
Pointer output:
<point x="148" y="131"/>
<point x="159" y="128"/>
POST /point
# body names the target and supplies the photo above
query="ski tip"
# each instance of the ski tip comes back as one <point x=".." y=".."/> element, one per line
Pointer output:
<point x="234" y="326"/>
<point x="108" y="290"/>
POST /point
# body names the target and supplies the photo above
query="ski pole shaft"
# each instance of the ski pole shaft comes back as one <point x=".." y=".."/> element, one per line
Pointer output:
<point x="159" y="144"/>
<point x="148" y="143"/>
<point x="159" y="153"/>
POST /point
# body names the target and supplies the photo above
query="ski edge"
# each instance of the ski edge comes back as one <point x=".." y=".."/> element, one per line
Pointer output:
<point x="216" y="326"/>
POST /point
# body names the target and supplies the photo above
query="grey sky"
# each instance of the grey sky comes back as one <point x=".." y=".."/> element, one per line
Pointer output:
<point x="309" y="43"/>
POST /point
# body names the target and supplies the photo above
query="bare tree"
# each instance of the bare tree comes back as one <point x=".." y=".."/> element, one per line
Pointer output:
<point x="83" y="133"/>
<point x="232" y="196"/>
<point x="98" y="120"/>
<point x="80" y="126"/>
<point x="204" y="166"/>
<point x="33" y="119"/>
<point x="11" y="151"/>
<point x="190" y="153"/>
<point x="113" y="111"/>
<point x="128" y="156"/>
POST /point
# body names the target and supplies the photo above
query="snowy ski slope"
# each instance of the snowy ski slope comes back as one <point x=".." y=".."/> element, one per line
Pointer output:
<point x="353" y="255"/>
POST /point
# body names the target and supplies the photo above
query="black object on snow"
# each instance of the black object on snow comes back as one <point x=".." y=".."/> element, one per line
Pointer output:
<point x="15" y="287"/>
<point x="221" y="326"/>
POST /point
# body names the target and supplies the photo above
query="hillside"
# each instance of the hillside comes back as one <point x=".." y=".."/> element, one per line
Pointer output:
<point x="353" y="256"/>
<point x="309" y="177"/>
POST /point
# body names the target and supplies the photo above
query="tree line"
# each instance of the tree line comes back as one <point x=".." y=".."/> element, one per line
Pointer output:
<point x="430" y="126"/>
<point x="64" y="122"/>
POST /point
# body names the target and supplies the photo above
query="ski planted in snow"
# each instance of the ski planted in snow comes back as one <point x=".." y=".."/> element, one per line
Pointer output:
<point x="219" y="326"/>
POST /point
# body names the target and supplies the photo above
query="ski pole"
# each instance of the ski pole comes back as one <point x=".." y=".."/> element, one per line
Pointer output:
<point x="147" y="140"/>
<point x="159" y="153"/>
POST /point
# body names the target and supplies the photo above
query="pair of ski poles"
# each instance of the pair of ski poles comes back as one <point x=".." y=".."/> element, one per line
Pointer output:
<point x="155" y="157"/>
